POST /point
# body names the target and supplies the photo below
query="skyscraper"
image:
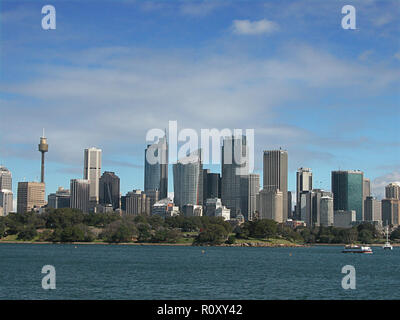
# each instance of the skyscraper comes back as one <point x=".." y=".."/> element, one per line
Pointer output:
<point x="156" y="172"/>
<point x="326" y="211"/>
<point x="5" y="179"/>
<point x="6" y="195"/>
<point x="92" y="172"/>
<point x="211" y="185"/>
<point x="303" y="183"/>
<point x="391" y="212"/>
<point x="30" y="195"/>
<point x="392" y="191"/>
<point x="270" y="205"/>
<point x="137" y="203"/>
<point x="347" y="189"/>
<point x="60" y="199"/>
<point x="6" y="201"/>
<point x="372" y="209"/>
<point x="250" y="188"/>
<point x="109" y="189"/>
<point x="80" y="194"/>
<point x="188" y="180"/>
<point x="234" y="166"/>
<point x="275" y="175"/>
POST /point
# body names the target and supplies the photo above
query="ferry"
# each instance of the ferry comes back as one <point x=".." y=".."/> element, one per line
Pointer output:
<point x="356" y="249"/>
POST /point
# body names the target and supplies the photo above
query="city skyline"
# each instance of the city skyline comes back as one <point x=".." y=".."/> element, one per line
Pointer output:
<point x="327" y="95"/>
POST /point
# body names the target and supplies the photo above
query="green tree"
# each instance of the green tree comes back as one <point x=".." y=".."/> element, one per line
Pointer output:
<point x="214" y="234"/>
<point x="27" y="233"/>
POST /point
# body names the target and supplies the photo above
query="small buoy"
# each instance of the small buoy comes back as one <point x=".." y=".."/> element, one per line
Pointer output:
<point x="290" y="254"/>
<point x="202" y="251"/>
<point x="76" y="247"/>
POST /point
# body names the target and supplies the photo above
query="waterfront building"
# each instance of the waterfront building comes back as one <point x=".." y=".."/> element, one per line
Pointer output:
<point x="275" y="175"/>
<point x="156" y="170"/>
<point x="80" y="194"/>
<point x="109" y="190"/>
<point x="60" y="199"/>
<point x="344" y="218"/>
<point x="92" y="172"/>
<point x="347" y="189"/>
<point x="30" y="196"/>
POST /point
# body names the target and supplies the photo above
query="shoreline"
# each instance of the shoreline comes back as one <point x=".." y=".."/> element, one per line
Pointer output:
<point x="245" y="244"/>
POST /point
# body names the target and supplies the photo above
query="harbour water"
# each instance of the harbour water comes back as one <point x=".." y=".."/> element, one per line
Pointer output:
<point x="176" y="272"/>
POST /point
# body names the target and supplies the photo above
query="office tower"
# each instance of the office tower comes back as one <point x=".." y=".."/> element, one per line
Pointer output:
<point x="250" y="187"/>
<point x="80" y="194"/>
<point x="6" y="201"/>
<point x="5" y="179"/>
<point x="391" y="212"/>
<point x="109" y="192"/>
<point x="372" y="209"/>
<point x="188" y="180"/>
<point x="211" y="185"/>
<point x="289" y="204"/>
<point x="153" y="196"/>
<point x="275" y="175"/>
<point x="347" y="189"/>
<point x="310" y="201"/>
<point x="234" y="165"/>
<point x="156" y="172"/>
<point x="303" y="183"/>
<point x="270" y="205"/>
<point x="43" y="148"/>
<point x="366" y="188"/>
<point x="392" y="191"/>
<point x="30" y="195"/>
<point x="92" y="172"/>
<point x="137" y="203"/>
<point x="60" y="199"/>
<point x="326" y="211"/>
<point x="344" y="218"/>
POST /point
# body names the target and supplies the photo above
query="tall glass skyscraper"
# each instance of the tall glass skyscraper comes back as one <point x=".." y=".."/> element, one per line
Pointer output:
<point x="156" y="174"/>
<point x="109" y="186"/>
<point x="347" y="189"/>
<point x="234" y="168"/>
<point x="188" y="180"/>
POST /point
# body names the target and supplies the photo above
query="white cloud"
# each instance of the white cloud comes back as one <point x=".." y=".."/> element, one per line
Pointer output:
<point x="378" y="184"/>
<point x="247" y="27"/>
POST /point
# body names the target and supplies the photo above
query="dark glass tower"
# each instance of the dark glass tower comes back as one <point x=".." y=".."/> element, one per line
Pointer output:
<point x="347" y="189"/>
<point x="109" y="189"/>
<point x="156" y="174"/>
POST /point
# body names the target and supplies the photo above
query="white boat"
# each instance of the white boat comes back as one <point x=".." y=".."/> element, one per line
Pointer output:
<point x="356" y="249"/>
<point x="387" y="245"/>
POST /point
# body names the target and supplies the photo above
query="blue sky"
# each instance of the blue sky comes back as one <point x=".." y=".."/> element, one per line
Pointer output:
<point x="112" y="70"/>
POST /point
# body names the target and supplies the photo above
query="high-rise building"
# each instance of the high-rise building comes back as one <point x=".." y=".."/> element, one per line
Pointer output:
<point x="347" y="189"/>
<point x="154" y="197"/>
<point x="372" y="209"/>
<point x="250" y="187"/>
<point x="109" y="189"/>
<point x="391" y="212"/>
<point x="80" y="194"/>
<point x="188" y="180"/>
<point x="326" y="211"/>
<point x="6" y="201"/>
<point x="303" y="184"/>
<point x="92" y="172"/>
<point x="275" y="175"/>
<point x="234" y="165"/>
<point x="392" y="191"/>
<point x="137" y="203"/>
<point x="310" y="206"/>
<point x="5" y="179"/>
<point x="211" y="185"/>
<point x="270" y="205"/>
<point x="60" y="199"/>
<point x="156" y="170"/>
<point x="30" y="195"/>
<point x="344" y="218"/>
<point x="289" y="204"/>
